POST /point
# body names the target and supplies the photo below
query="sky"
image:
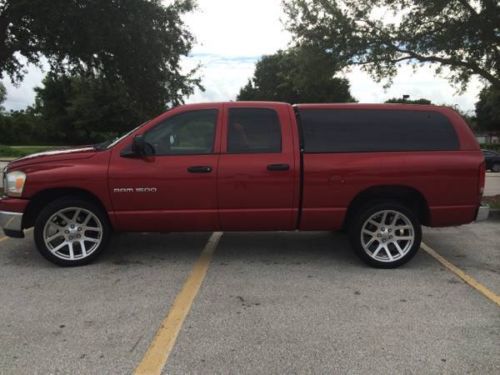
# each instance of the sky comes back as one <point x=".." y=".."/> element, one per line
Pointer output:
<point x="231" y="36"/>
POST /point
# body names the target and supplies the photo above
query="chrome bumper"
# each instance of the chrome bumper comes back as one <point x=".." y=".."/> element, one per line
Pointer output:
<point x="482" y="213"/>
<point x="11" y="221"/>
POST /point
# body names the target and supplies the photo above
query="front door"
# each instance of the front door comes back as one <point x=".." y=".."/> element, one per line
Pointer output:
<point x="175" y="190"/>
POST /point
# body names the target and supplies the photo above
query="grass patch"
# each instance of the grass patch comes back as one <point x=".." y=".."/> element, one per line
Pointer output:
<point x="19" y="151"/>
<point x="494" y="201"/>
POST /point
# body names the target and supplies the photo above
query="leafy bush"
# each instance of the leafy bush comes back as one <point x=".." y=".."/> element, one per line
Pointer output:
<point x="9" y="152"/>
<point x="491" y="146"/>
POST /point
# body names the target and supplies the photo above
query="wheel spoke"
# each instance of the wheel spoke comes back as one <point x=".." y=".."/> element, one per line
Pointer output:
<point x="75" y="216"/>
<point x="395" y="219"/>
<point x="388" y="252"/>
<point x="59" y="247"/>
<point x="375" y="253"/>
<point x="369" y="232"/>
<point x="71" y="251"/>
<point x="54" y="236"/>
<point x="384" y="217"/>
<point x="87" y="219"/>
<point x="372" y="240"/>
<point x="93" y="229"/>
<point x="400" y="250"/>
<point x="90" y="239"/>
<point x="83" y="248"/>
<point x="403" y="238"/>
<point x="373" y="222"/>
<point x="65" y="218"/>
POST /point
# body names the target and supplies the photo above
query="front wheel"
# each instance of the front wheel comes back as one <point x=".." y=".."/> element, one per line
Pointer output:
<point x="385" y="235"/>
<point x="496" y="167"/>
<point x="71" y="232"/>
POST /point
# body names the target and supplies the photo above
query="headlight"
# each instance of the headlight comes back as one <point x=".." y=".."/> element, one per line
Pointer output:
<point x="14" y="183"/>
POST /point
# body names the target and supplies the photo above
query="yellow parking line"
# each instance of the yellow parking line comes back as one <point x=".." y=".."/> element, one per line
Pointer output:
<point x="157" y="355"/>
<point x="465" y="277"/>
<point x="3" y="238"/>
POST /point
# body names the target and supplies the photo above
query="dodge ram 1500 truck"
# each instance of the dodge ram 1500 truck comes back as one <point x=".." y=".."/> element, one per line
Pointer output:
<point x="377" y="171"/>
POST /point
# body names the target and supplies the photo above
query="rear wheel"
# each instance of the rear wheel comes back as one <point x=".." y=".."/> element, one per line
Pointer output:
<point x="496" y="167"/>
<point x="385" y="234"/>
<point x="71" y="232"/>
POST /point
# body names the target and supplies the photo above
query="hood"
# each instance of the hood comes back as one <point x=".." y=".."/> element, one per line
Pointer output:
<point x="50" y="156"/>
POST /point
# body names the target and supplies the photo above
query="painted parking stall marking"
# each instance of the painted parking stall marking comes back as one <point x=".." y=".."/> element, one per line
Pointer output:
<point x="157" y="355"/>
<point x="492" y="296"/>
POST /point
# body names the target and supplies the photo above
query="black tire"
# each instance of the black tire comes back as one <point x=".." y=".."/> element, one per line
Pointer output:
<point x="69" y="203"/>
<point x="364" y="214"/>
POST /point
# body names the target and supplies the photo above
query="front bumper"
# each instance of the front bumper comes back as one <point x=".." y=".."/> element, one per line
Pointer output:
<point x="11" y="216"/>
<point x="482" y="212"/>
<point x="12" y="223"/>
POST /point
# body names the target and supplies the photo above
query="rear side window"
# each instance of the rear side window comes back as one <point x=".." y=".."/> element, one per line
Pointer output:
<point x="253" y="130"/>
<point x="327" y="130"/>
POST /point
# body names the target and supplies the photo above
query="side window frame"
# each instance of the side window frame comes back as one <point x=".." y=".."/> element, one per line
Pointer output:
<point x="225" y="135"/>
<point x="214" y="147"/>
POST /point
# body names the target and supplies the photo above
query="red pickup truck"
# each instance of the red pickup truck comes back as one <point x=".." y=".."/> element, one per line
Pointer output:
<point x="376" y="171"/>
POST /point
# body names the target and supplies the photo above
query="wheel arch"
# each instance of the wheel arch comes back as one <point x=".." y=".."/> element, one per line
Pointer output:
<point x="406" y="195"/>
<point x="44" y="197"/>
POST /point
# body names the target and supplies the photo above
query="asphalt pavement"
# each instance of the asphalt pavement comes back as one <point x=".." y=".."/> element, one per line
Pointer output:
<point x="270" y="303"/>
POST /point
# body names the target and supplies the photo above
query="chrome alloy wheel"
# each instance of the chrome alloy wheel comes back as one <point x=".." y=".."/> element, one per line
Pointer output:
<point x="387" y="236"/>
<point x="73" y="233"/>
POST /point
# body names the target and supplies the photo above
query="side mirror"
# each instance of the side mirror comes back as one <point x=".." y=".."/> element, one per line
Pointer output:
<point x="140" y="148"/>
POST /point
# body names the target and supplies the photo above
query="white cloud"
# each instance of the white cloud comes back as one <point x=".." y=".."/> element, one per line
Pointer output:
<point x="233" y="34"/>
<point x="423" y="83"/>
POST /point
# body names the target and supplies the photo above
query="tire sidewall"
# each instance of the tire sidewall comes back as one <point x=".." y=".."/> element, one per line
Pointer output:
<point x="364" y="214"/>
<point x="60" y="204"/>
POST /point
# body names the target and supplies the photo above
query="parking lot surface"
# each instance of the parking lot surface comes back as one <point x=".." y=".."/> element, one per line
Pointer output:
<point x="270" y="303"/>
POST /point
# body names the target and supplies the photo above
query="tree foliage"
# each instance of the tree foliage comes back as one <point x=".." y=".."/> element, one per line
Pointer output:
<point x="137" y="43"/>
<point x="3" y="95"/>
<point x="488" y="109"/>
<point x="409" y="101"/>
<point x="297" y="75"/>
<point x="462" y="35"/>
<point x="81" y="109"/>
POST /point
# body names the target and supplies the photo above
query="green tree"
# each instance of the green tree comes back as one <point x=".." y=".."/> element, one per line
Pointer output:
<point x="138" y="43"/>
<point x="409" y="101"/>
<point x="297" y="75"/>
<point x="82" y="109"/>
<point x="3" y="95"/>
<point x="488" y="109"/>
<point x="377" y="35"/>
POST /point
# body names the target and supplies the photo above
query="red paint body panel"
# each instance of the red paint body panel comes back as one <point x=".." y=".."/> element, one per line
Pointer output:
<point x="13" y="204"/>
<point x="241" y="194"/>
<point x="332" y="181"/>
<point x="251" y="197"/>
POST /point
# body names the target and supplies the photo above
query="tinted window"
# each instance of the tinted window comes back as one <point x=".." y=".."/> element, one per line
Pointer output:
<point x="376" y="130"/>
<point x="253" y="130"/>
<point x="187" y="133"/>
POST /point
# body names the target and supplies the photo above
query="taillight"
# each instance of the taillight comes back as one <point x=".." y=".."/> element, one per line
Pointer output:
<point x="482" y="177"/>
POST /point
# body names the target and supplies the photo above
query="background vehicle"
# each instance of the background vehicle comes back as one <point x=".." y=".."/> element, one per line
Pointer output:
<point x="379" y="171"/>
<point x="492" y="159"/>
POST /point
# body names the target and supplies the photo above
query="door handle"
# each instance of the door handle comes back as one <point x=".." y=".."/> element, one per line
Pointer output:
<point x="278" y="167"/>
<point x="199" y="169"/>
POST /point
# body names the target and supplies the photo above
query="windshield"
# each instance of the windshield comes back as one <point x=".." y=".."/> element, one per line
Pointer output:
<point x="111" y="142"/>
